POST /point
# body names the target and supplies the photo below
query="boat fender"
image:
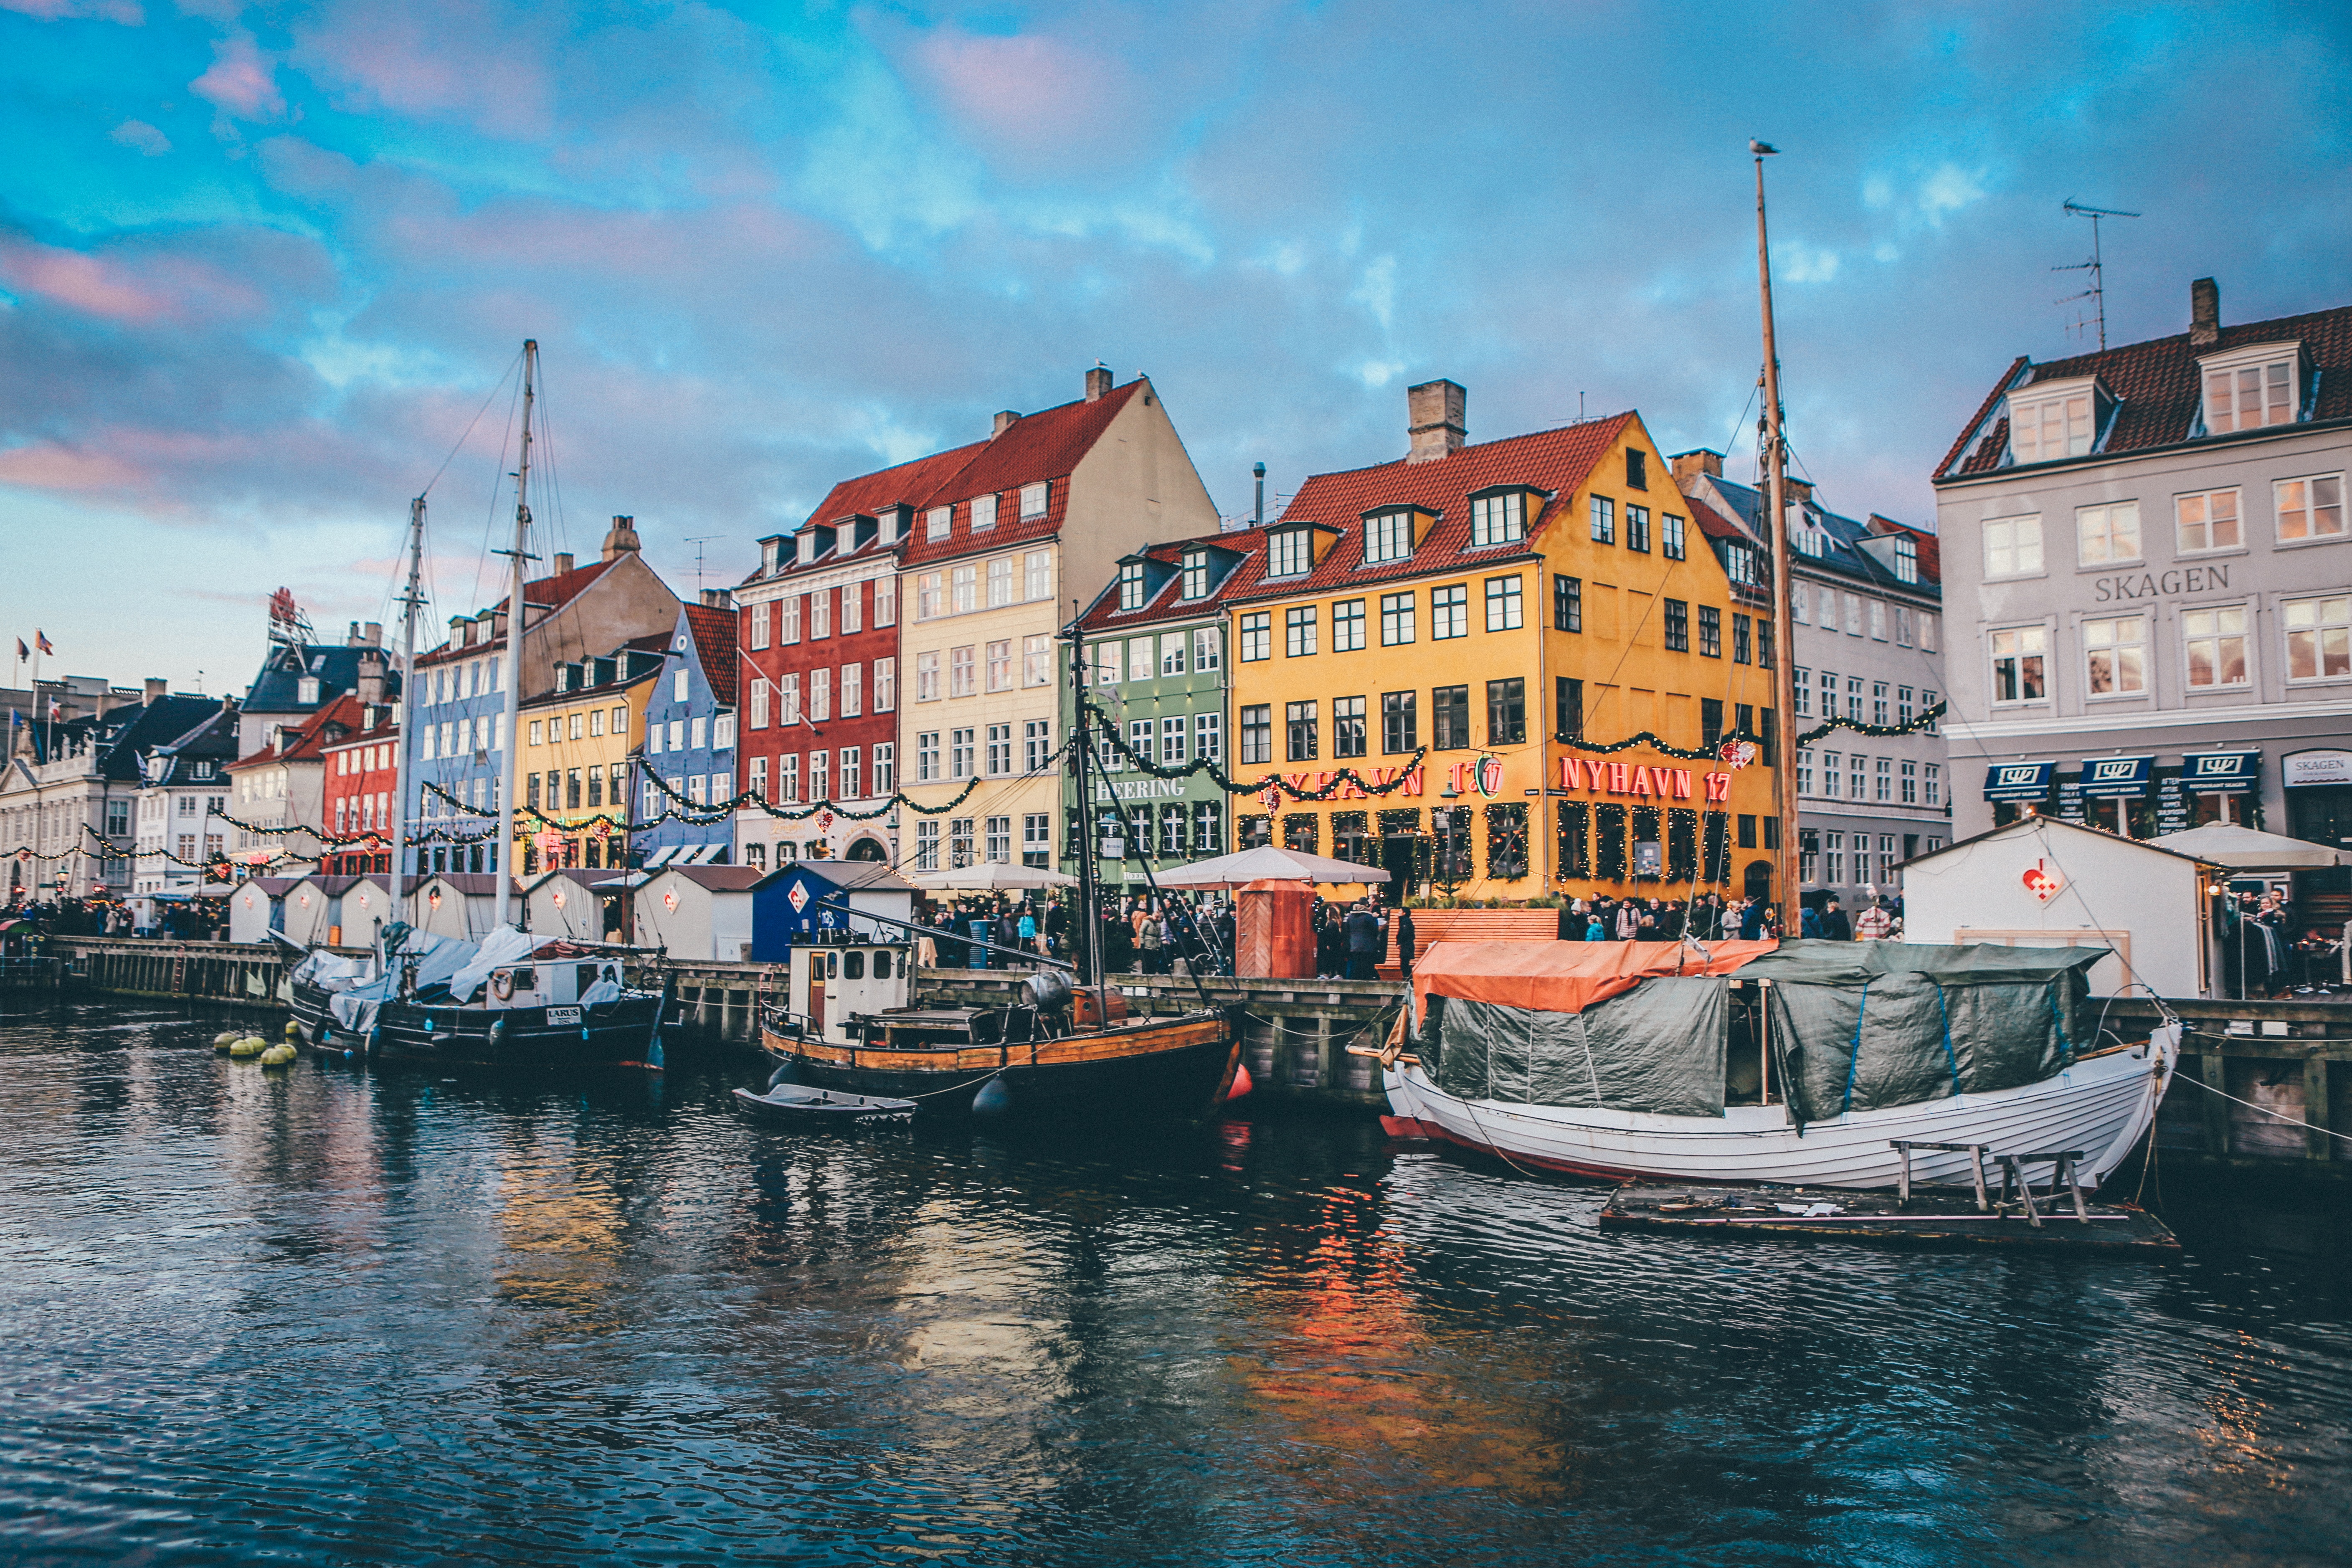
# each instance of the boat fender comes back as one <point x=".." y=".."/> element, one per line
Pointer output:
<point x="993" y="1100"/>
<point x="1242" y="1085"/>
<point x="293" y="1029"/>
<point x="789" y="1072"/>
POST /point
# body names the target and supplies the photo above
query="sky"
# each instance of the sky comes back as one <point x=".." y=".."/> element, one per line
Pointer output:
<point x="265" y="270"/>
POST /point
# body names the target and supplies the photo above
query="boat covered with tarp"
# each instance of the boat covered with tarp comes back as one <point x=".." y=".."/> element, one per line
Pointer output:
<point x="1799" y="1062"/>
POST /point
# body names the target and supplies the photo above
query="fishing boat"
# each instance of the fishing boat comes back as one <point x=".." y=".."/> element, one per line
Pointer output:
<point x="1801" y="1063"/>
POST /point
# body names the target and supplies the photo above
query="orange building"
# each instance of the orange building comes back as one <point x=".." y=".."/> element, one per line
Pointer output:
<point x="1480" y="627"/>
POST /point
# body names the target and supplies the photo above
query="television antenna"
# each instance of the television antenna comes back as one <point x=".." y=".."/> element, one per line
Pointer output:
<point x="2096" y="292"/>
<point x="699" y="540"/>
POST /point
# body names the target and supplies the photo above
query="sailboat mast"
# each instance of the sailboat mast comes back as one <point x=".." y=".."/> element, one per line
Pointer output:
<point x="401" y="740"/>
<point x="1088" y="924"/>
<point x="1784" y="680"/>
<point x="507" y="863"/>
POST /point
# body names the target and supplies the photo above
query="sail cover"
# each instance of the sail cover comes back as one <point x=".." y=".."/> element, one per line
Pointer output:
<point x="1657" y="1048"/>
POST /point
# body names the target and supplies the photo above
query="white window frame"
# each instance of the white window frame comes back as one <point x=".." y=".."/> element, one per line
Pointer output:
<point x="2096" y="527"/>
<point x="1498" y="518"/>
<point x="2114" y="643"/>
<point x="2339" y="620"/>
<point x="2032" y="631"/>
<point x="2181" y="524"/>
<point x="1388" y="536"/>
<point x="2048" y="425"/>
<point x="983" y="513"/>
<point x="1208" y="649"/>
<point x="1289" y="553"/>
<point x="2005" y="540"/>
<point x="1036" y="499"/>
<point x="2274" y="367"/>
<point x="2191" y="635"/>
<point x="938" y="522"/>
<point x="2280" y="511"/>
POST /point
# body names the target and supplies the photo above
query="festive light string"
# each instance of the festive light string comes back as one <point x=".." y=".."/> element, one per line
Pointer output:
<point x="1218" y="775"/>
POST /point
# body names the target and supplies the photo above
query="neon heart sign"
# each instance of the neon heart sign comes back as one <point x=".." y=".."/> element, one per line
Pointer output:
<point x="2042" y="882"/>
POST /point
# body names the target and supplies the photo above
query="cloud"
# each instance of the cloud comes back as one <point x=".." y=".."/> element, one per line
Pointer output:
<point x="1044" y="101"/>
<point x="241" y="83"/>
<point x="84" y="283"/>
<point x="483" y="66"/>
<point x="142" y="136"/>
<point x="123" y="11"/>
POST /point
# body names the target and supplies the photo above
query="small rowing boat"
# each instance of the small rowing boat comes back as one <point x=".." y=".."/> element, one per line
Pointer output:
<point x="802" y="1106"/>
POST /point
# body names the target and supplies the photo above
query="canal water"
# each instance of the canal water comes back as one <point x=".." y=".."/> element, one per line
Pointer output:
<point x="335" y="1315"/>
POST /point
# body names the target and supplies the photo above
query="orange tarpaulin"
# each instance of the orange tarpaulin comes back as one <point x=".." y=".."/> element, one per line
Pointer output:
<point x="1564" y="976"/>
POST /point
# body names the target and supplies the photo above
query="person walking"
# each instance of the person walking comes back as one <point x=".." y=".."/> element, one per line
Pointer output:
<point x="1405" y="940"/>
<point x="1808" y="920"/>
<point x="1148" y="940"/>
<point x="1365" y="938"/>
<point x="1629" y="920"/>
<point x="1751" y="920"/>
<point x="1875" y="923"/>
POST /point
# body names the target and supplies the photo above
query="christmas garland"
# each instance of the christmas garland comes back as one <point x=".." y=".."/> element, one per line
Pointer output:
<point x="1218" y="777"/>
<point x="1926" y="720"/>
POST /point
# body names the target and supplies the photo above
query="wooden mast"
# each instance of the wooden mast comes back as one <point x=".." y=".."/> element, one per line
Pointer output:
<point x="509" y="866"/>
<point x="1785" y="860"/>
<point x="403" y="738"/>
<point x="1087" y="926"/>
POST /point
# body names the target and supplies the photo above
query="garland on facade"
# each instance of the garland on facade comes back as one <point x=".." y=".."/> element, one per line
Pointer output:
<point x="1217" y="775"/>
<point x="697" y="813"/>
<point x="108" y="851"/>
<point x="1926" y="720"/>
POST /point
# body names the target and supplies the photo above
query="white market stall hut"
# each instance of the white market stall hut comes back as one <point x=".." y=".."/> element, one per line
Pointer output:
<point x="257" y="907"/>
<point x="342" y="911"/>
<point x="463" y="904"/>
<point x="696" y="912"/>
<point x="2042" y="882"/>
<point x="573" y="902"/>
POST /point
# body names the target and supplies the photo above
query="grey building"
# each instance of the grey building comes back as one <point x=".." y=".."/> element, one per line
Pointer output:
<point x="1867" y="600"/>
<point x="2151" y="582"/>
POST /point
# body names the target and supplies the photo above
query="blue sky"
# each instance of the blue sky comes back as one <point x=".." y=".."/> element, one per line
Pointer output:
<point x="260" y="265"/>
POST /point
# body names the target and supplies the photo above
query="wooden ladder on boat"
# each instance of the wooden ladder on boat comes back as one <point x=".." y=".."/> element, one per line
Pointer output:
<point x="2064" y="1173"/>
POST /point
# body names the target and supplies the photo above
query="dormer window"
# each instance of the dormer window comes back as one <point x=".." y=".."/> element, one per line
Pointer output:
<point x="983" y="513"/>
<point x="306" y="690"/>
<point x="770" y="555"/>
<point x="1289" y="554"/>
<point x="1388" y="536"/>
<point x="808" y="545"/>
<point x="2251" y="387"/>
<point x="1131" y="586"/>
<point x="1906" y="559"/>
<point x="1499" y="517"/>
<point x="935" y="521"/>
<point x="2055" y="419"/>
<point x="1033" y="500"/>
<point x="1196" y="573"/>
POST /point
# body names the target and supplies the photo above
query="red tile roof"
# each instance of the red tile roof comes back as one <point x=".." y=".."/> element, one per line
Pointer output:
<point x="1554" y="460"/>
<point x="1712" y="523"/>
<point x="1104" y="616"/>
<point x="1929" y="549"/>
<point x="1042" y="445"/>
<point x="310" y="741"/>
<point x="551" y="593"/>
<point x="2158" y="384"/>
<point x="714" y="640"/>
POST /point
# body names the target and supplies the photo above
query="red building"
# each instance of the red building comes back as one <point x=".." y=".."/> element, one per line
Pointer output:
<point x="359" y="794"/>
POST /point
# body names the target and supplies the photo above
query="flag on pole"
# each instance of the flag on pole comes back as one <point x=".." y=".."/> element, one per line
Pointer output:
<point x="23" y="653"/>
<point x="41" y="638"/>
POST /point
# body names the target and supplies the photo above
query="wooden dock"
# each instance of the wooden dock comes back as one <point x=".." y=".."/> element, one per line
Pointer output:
<point x="1936" y="1218"/>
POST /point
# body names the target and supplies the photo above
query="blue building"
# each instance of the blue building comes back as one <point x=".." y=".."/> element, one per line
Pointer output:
<point x="802" y="902"/>
<point x="689" y="739"/>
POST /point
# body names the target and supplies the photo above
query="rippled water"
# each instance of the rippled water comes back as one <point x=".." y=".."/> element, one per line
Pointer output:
<point x="331" y="1315"/>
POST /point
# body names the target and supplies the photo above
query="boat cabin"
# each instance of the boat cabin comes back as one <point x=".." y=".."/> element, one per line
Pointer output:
<point x="554" y="981"/>
<point x="833" y="983"/>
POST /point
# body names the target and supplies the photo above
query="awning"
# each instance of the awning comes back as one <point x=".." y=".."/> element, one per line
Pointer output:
<point x="2018" y="780"/>
<point x="2221" y="773"/>
<point x="662" y="856"/>
<point x="2117" y="778"/>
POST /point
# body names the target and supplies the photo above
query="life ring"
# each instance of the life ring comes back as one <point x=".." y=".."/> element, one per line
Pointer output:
<point x="502" y="984"/>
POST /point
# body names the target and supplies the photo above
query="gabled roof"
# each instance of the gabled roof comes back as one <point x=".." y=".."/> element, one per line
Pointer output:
<point x="2157" y="386"/>
<point x="550" y="594"/>
<point x="1557" y="461"/>
<point x="310" y="741"/>
<point x="1166" y="603"/>
<point x="1048" y="446"/>
<point x="713" y="631"/>
<point x="1844" y="556"/>
<point x="275" y="689"/>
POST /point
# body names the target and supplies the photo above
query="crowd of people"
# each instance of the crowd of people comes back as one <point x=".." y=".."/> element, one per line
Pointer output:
<point x="1176" y="933"/>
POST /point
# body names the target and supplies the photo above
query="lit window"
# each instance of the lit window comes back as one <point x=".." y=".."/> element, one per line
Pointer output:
<point x="2018" y="657"/>
<point x="2248" y="397"/>
<point x="1298" y="631"/>
<point x="2115" y="654"/>
<point x="1288" y="553"/>
<point x="2209" y="521"/>
<point x="2216" y="646"/>
<point x="1347" y="626"/>
<point x="1499" y="520"/>
<point x="2053" y="428"/>
<point x="1257" y="637"/>
<point x="2309" y="509"/>
<point x="2318" y="637"/>
<point x="1503" y="605"/>
<point x="1388" y="536"/>
<point x="2107" y="533"/>
<point x="1449" y="612"/>
<point x="1396" y="619"/>
<point x="2012" y="547"/>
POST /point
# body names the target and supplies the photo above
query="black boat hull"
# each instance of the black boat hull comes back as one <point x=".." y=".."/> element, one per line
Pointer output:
<point x="624" y="1033"/>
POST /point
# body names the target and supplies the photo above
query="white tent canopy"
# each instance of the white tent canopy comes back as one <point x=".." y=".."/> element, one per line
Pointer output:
<point x="988" y="877"/>
<point x="2244" y="848"/>
<point x="1267" y="863"/>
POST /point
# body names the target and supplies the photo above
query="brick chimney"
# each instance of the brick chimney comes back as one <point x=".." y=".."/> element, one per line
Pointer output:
<point x="353" y="639"/>
<point x="371" y="678"/>
<point x="1005" y="420"/>
<point x="623" y="539"/>
<point x="562" y="561"/>
<point x="2204" y="313"/>
<point x="1690" y="466"/>
<point x="1434" y="413"/>
<point x="718" y="598"/>
<point x="1097" y="383"/>
<point x="155" y="685"/>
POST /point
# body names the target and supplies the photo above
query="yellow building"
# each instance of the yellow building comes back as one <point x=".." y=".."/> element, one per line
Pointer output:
<point x="1507" y="612"/>
<point x="579" y="742"/>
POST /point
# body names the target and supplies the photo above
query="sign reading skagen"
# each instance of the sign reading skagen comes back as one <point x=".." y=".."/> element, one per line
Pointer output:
<point x="2160" y="585"/>
<point x="2303" y="770"/>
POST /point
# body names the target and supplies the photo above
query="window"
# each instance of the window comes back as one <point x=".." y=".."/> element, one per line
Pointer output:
<point x="927" y="844"/>
<point x="1037" y="744"/>
<point x="1174" y="731"/>
<point x="1449" y="708"/>
<point x="1637" y="528"/>
<point x="1347" y="736"/>
<point x="1131" y="586"/>
<point x="1257" y="637"/>
<point x="1449" y="612"/>
<point x="1910" y="782"/>
<point x="2216" y="646"/>
<point x="959" y="753"/>
<point x="1931" y="789"/>
<point x="2115" y="657"/>
<point x="983" y="514"/>
<point x="820" y="701"/>
<point x="1208" y="649"/>
<point x="963" y="589"/>
<point x="1568" y="604"/>
<point x="1000" y="666"/>
<point x="1388" y="536"/>
<point x="1904" y="706"/>
<point x="1879" y="620"/>
<point x="820" y="615"/>
<point x="1878" y="703"/>
<point x="2017" y="664"/>
<point x="1257" y="732"/>
<point x="1506" y="712"/>
<point x="927" y="678"/>
<point x="1000" y="840"/>
<point x="1209" y="736"/>
<point x="1886" y="776"/>
<point x="1677" y="625"/>
<point x="1396" y="619"/>
<point x="2309" y="509"/>
<point x="1288" y="554"/>
<point x="1853" y="698"/>
<point x="1399" y="728"/>
<point x="1033" y="500"/>
<point x="1604" y="520"/>
<point x="1670" y="535"/>
<point x="759" y="626"/>
<point x="931" y="597"/>
<point x="886" y="685"/>
<point x="1858" y="782"/>
<point x="2247" y="397"/>
<point x="927" y="756"/>
<point x="1302" y="733"/>
<point x="1833" y="856"/>
<point x="537" y="726"/>
<point x="1498" y="518"/>
<point x="886" y="601"/>
<point x="1298" y="631"/>
<point x="1208" y="827"/>
<point x="1000" y="751"/>
<point x="1710" y="723"/>
<point x="1196" y="575"/>
<point x="1037" y="574"/>
<point x="2053" y="428"/>
<point x="1000" y="584"/>
<point x="937" y="521"/>
<point x="1503" y="613"/>
<point x="960" y="671"/>
<point x="852" y="771"/>
<point x="1037" y="838"/>
<point x="1805" y="774"/>
<point x="1902" y="625"/>
<point x="1568" y="707"/>
<point x="1740" y="626"/>
<point x="2318" y="637"/>
<point x="1036" y="659"/>
<point x="1710" y="631"/>
<point x="1140" y="655"/>
<point x="2012" y="547"/>
<point x="1637" y="468"/>
<point x="885" y="766"/>
<point x="1347" y="626"/>
<point x="2208" y="522"/>
<point x="853" y="693"/>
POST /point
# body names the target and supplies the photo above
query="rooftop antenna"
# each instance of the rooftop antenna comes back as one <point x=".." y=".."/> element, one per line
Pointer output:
<point x="699" y="540"/>
<point x="2096" y="292"/>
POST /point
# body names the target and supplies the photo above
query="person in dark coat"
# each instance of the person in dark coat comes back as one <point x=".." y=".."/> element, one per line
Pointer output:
<point x="1330" y="946"/>
<point x="1835" y="926"/>
<point x="1365" y="940"/>
<point x="1751" y="920"/>
<point x="1404" y="942"/>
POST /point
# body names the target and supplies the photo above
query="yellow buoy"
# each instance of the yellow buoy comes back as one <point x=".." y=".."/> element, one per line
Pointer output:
<point x="251" y="1046"/>
<point x="279" y="1056"/>
<point x="293" y="1029"/>
<point x="225" y="1039"/>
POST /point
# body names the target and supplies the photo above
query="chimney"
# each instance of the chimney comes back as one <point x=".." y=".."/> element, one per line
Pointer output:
<point x="718" y="598"/>
<point x="562" y="561"/>
<point x="1436" y="411"/>
<point x="156" y="684"/>
<point x="371" y="680"/>
<point x="351" y="637"/>
<point x="373" y="632"/>
<point x="1098" y="383"/>
<point x="1004" y="421"/>
<point x="2204" y="313"/>
<point x="1689" y="466"/>
<point x="1257" y="471"/>
<point x="622" y="540"/>
<point x="1799" y="490"/>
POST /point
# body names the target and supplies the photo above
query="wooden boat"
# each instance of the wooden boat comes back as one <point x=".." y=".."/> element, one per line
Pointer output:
<point x="805" y="1107"/>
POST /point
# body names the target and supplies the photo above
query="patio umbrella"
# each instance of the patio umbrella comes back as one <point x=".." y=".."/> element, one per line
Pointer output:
<point x="2244" y="848"/>
<point x="1267" y="863"/>
<point x="993" y="877"/>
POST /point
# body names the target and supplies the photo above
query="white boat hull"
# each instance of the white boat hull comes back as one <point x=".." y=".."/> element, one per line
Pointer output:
<point x="2101" y="1106"/>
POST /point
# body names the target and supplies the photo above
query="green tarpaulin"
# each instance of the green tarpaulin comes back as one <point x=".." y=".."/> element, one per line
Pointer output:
<point x="1658" y="1048"/>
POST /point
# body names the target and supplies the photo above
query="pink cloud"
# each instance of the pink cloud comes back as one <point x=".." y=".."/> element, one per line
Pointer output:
<point x="461" y="63"/>
<point x="87" y="283"/>
<point x="147" y="284"/>
<point x="241" y="83"/>
<point x="1040" y="99"/>
<point x="48" y="466"/>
